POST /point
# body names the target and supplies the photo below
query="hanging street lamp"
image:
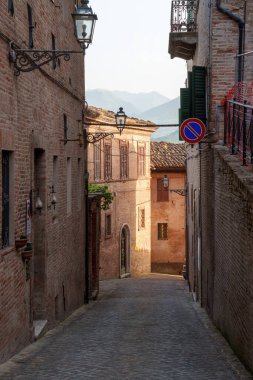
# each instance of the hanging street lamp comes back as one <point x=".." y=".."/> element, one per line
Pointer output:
<point x="26" y="60"/>
<point x="84" y="20"/>
<point x="120" y="117"/>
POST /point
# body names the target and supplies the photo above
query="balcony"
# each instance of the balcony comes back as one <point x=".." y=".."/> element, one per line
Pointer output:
<point x="183" y="35"/>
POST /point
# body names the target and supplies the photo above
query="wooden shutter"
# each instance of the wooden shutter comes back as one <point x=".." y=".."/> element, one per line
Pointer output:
<point x="162" y="193"/>
<point x="185" y="106"/>
<point x="199" y="93"/>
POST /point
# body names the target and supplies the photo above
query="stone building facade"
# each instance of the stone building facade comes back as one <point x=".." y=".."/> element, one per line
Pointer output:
<point x="39" y="109"/>
<point x="168" y="207"/>
<point x="122" y="163"/>
<point x="219" y="204"/>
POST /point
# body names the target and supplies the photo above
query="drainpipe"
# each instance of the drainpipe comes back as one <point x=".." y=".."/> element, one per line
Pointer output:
<point x="241" y="25"/>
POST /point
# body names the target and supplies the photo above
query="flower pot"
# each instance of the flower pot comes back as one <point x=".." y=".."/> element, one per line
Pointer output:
<point x="20" y="243"/>
<point x="27" y="254"/>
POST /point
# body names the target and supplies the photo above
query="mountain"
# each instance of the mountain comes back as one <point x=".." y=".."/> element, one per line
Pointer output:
<point x="109" y="101"/>
<point x="166" y="113"/>
<point x="133" y="103"/>
<point x="170" y="137"/>
<point x="143" y="101"/>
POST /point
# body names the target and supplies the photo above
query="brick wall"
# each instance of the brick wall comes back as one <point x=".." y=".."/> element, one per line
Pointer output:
<point x="225" y="199"/>
<point x="233" y="258"/>
<point x="32" y="108"/>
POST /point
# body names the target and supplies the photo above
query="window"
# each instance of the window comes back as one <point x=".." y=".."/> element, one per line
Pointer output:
<point x="123" y="159"/>
<point x="79" y="185"/>
<point x="65" y="128"/>
<point x="5" y="198"/>
<point x="30" y="26"/>
<point x="55" y="177"/>
<point x="141" y="221"/>
<point x="69" y="186"/>
<point x="53" y="48"/>
<point x="108" y="160"/>
<point x="108" y="225"/>
<point x="162" y="231"/>
<point x="162" y="192"/>
<point x="141" y="160"/>
<point x="97" y="162"/>
<point x="10" y="7"/>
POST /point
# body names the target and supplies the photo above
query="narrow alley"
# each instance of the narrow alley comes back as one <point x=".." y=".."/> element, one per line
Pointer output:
<point x="140" y="328"/>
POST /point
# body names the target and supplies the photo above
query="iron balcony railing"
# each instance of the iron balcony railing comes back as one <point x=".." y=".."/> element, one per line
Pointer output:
<point x="183" y="16"/>
<point x="238" y="129"/>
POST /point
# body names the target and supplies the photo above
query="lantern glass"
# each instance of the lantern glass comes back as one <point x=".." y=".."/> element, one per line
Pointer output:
<point x="84" y="19"/>
<point x="120" y="119"/>
<point x="165" y="182"/>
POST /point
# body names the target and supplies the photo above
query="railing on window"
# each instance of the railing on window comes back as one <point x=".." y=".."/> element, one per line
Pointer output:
<point x="183" y="16"/>
<point x="238" y="129"/>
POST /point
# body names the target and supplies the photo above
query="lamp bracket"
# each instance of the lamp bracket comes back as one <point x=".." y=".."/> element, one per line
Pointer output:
<point x="26" y="60"/>
<point x="95" y="137"/>
<point x="181" y="192"/>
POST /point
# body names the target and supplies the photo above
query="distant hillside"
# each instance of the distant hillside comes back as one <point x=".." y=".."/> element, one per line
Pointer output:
<point x="133" y="103"/>
<point x="143" y="101"/>
<point x="170" y="137"/>
<point x="110" y="101"/>
<point x="166" y="113"/>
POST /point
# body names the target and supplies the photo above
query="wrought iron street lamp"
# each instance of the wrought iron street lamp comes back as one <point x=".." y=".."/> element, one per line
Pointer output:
<point x="120" y="119"/>
<point x="26" y="60"/>
<point x="85" y="20"/>
<point x="181" y="192"/>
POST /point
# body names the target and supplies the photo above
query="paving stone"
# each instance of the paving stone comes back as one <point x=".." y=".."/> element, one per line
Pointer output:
<point x="140" y="328"/>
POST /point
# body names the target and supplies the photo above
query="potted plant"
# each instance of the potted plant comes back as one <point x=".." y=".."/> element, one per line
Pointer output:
<point x="27" y="252"/>
<point x="21" y="242"/>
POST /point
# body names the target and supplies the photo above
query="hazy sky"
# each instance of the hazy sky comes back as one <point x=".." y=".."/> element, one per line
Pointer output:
<point x="130" y="48"/>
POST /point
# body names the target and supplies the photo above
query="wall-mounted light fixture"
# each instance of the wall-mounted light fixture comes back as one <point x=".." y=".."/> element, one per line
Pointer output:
<point x="181" y="192"/>
<point x="38" y="202"/>
<point x="26" y="60"/>
<point x="52" y="197"/>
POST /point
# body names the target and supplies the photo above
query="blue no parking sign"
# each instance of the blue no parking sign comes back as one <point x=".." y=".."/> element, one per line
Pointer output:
<point x="192" y="130"/>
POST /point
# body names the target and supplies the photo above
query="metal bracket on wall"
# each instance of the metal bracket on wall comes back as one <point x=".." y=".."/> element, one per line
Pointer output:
<point x="26" y="60"/>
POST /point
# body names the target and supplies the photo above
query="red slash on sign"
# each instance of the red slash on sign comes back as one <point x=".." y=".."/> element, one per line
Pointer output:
<point x="192" y="130"/>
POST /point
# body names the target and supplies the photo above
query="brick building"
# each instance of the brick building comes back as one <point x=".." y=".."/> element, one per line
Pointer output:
<point x="168" y="207"/>
<point x="209" y="34"/>
<point x="38" y="110"/>
<point x="123" y="164"/>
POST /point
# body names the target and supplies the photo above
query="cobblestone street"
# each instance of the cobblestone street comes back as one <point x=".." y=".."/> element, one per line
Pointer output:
<point x="145" y="328"/>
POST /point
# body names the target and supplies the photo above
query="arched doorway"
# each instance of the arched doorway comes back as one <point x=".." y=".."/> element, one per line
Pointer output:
<point x="125" y="251"/>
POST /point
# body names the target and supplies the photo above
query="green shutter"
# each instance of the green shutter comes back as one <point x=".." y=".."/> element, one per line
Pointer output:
<point x="199" y="93"/>
<point x="180" y="122"/>
<point x="185" y="110"/>
<point x="185" y="103"/>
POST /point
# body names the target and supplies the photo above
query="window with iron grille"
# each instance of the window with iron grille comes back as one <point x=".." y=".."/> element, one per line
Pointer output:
<point x="108" y="225"/>
<point x="162" y="231"/>
<point x="11" y="7"/>
<point x="5" y="198"/>
<point x="141" y="222"/>
<point x="123" y="159"/>
<point x="162" y="192"/>
<point x="65" y="128"/>
<point x="97" y="161"/>
<point x="108" y="161"/>
<point x="53" y="48"/>
<point x="141" y="161"/>
<point x="69" y="186"/>
<point x="30" y="26"/>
